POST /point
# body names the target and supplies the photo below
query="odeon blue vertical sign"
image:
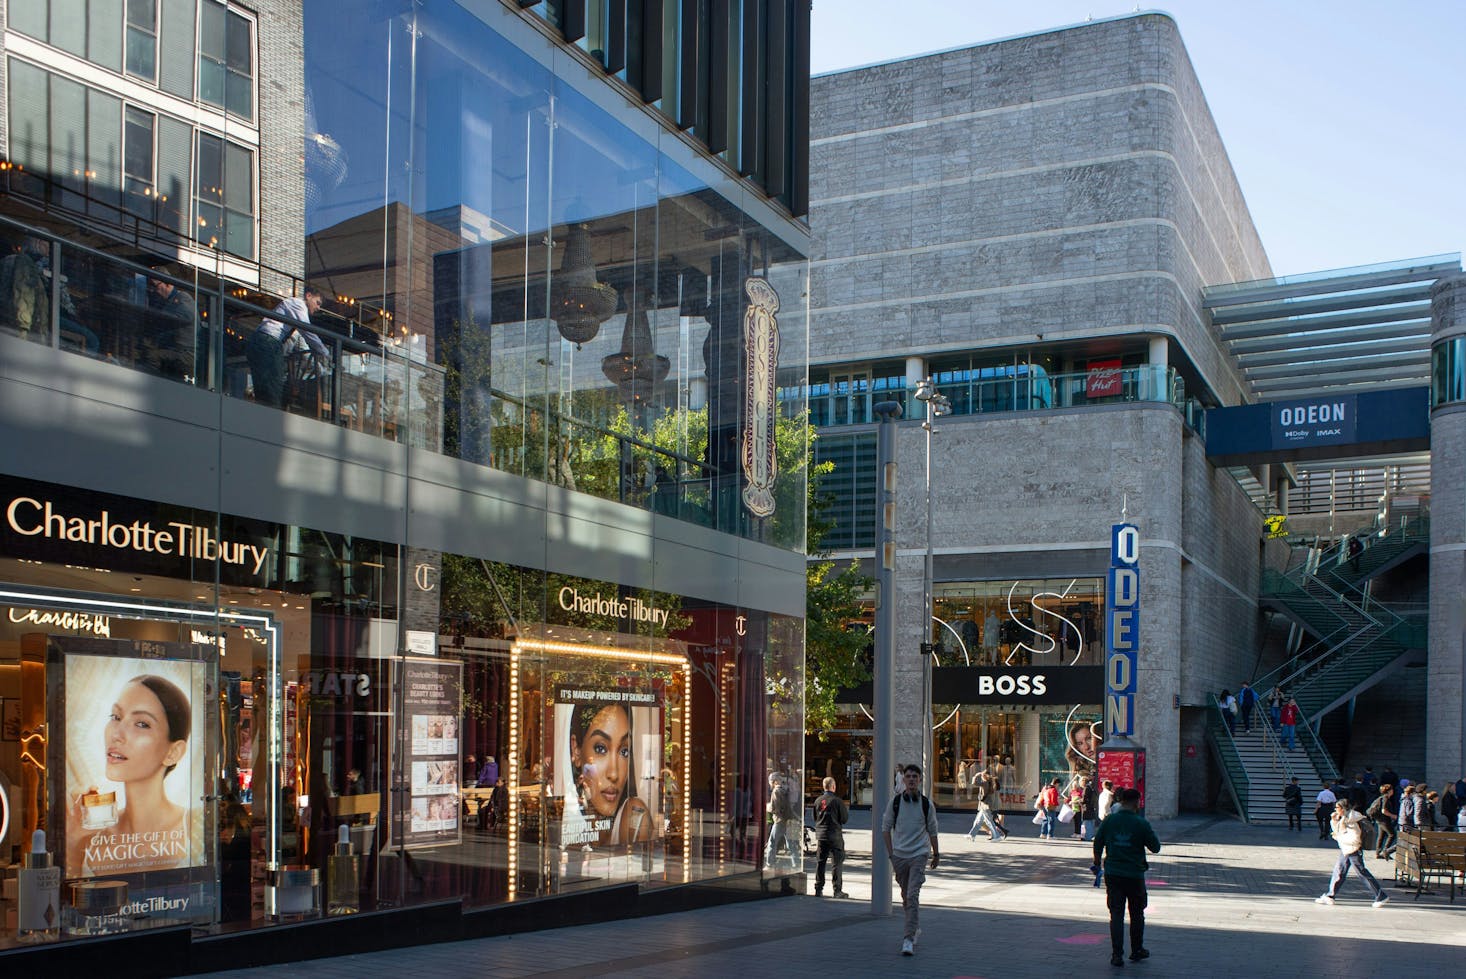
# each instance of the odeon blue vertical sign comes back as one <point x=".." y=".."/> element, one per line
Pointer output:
<point x="1122" y="630"/>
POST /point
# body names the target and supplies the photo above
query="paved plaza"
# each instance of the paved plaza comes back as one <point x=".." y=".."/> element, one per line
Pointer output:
<point x="1225" y="898"/>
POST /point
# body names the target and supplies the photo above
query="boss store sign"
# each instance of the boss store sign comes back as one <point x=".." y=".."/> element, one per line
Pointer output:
<point x="1036" y="685"/>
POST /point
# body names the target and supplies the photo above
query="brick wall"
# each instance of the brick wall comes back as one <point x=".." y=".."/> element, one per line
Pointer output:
<point x="282" y="141"/>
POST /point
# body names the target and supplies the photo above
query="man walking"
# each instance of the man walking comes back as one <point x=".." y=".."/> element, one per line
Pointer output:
<point x="987" y="802"/>
<point x="1246" y="700"/>
<point x="1382" y="810"/>
<point x="783" y="813"/>
<point x="830" y="814"/>
<point x="1323" y="810"/>
<point x="909" y="829"/>
<point x="1293" y="804"/>
<point x="1346" y="832"/>
<point x="1121" y="843"/>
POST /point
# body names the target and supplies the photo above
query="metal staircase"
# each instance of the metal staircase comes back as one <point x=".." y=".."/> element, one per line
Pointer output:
<point x="1354" y="644"/>
<point x="1381" y="554"/>
<point x="1258" y="766"/>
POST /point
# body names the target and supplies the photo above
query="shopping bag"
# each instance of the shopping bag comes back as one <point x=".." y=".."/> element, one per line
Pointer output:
<point x="1038" y="818"/>
<point x="1066" y="813"/>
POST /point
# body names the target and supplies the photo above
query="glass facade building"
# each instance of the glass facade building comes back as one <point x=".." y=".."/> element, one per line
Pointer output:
<point x="396" y="433"/>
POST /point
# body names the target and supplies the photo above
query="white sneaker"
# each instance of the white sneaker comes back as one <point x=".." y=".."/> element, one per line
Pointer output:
<point x="1323" y="899"/>
<point x="1379" y="902"/>
<point x="908" y="947"/>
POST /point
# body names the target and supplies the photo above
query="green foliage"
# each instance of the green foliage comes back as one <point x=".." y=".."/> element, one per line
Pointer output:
<point x="834" y="653"/>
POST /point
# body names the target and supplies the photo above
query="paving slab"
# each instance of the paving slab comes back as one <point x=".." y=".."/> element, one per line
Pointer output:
<point x="1220" y="891"/>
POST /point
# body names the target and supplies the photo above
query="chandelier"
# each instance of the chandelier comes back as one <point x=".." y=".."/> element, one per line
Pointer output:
<point x="579" y="302"/>
<point x="636" y="369"/>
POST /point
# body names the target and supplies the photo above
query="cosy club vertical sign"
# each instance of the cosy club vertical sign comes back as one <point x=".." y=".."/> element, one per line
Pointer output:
<point x="1122" y="630"/>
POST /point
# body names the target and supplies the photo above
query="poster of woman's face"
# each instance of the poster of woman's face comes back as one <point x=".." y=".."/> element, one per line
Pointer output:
<point x="608" y="754"/>
<point x="134" y="761"/>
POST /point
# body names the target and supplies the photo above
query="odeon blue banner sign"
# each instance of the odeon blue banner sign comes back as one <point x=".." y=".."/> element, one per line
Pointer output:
<point x="1122" y="630"/>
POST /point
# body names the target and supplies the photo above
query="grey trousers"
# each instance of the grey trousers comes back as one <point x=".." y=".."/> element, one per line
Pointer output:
<point x="910" y="875"/>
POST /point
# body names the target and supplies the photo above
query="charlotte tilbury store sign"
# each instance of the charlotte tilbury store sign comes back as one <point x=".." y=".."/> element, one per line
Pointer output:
<point x="39" y="518"/>
<point x="57" y="523"/>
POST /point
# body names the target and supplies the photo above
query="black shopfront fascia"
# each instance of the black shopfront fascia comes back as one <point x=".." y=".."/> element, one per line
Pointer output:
<point x="50" y="522"/>
<point x="1029" y="686"/>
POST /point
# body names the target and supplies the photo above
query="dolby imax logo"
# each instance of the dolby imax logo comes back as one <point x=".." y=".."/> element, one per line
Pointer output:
<point x="1304" y="422"/>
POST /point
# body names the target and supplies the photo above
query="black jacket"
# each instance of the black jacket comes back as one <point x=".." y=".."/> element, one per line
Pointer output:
<point x="830" y="813"/>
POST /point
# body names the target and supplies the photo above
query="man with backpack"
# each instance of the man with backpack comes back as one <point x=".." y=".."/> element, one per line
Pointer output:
<point x="1293" y="804"/>
<point x="830" y="814"/>
<point x="910" y="834"/>
<point x="1246" y="701"/>
<point x="784" y="819"/>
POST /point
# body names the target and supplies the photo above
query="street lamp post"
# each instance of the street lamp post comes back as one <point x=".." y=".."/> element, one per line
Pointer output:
<point x="937" y="405"/>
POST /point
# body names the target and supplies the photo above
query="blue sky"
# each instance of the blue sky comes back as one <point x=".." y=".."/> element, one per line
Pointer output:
<point x="1343" y="118"/>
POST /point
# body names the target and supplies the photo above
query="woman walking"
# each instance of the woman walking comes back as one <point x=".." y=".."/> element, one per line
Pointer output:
<point x="1350" y="837"/>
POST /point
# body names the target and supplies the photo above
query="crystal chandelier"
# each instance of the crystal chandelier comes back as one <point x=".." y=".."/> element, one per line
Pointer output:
<point x="579" y="302"/>
<point x="636" y="369"/>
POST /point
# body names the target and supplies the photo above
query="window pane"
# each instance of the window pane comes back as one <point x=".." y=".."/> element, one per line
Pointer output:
<point x="104" y="34"/>
<point x="238" y="179"/>
<point x="139" y="145"/>
<point x="239" y="56"/>
<point x="211" y="81"/>
<point x="142" y="54"/>
<point x="104" y="146"/>
<point x="29" y="117"/>
<point x="28" y="17"/>
<point x="68" y="136"/>
<point x="239" y="234"/>
<point x="210" y="224"/>
<point x="240" y="95"/>
<point x="175" y="159"/>
<point x="69" y="26"/>
<point x="142" y="13"/>
<point x="211" y="30"/>
<point x="211" y="168"/>
<point x="175" y="39"/>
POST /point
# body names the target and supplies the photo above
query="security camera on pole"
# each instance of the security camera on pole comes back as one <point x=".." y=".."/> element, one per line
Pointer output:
<point x="1121" y="760"/>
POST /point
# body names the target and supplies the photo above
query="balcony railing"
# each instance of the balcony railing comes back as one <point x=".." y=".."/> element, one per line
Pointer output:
<point x="199" y="333"/>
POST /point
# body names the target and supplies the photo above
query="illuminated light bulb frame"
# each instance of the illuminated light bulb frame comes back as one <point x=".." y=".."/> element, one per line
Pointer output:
<point x="532" y="645"/>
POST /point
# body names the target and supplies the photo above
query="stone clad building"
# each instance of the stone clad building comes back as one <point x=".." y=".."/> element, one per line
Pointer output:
<point x="1034" y="223"/>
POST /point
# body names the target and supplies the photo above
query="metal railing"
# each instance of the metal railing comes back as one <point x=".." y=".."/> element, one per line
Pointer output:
<point x="199" y="332"/>
<point x="202" y="332"/>
<point x="1225" y="745"/>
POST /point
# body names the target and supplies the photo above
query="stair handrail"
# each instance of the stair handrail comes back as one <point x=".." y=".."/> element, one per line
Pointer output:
<point x="1386" y="621"/>
<point x="1227" y="753"/>
<point x="1318" y="665"/>
<point x="1323" y="762"/>
<point x="1270" y="738"/>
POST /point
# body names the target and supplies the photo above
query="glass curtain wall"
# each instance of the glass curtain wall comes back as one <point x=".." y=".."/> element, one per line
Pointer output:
<point x="576" y="289"/>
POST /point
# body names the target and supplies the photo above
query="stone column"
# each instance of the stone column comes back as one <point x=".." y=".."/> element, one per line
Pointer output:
<point x="1445" y="712"/>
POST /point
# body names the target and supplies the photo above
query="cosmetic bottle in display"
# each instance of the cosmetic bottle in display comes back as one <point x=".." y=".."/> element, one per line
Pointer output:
<point x="343" y="876"/>
<point x="39" y="894"/>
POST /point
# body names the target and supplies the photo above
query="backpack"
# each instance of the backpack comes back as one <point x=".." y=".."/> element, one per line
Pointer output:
<point x="784" y="803"/>
<point x="926" y="808"/>
<point x="1375" y="807"/>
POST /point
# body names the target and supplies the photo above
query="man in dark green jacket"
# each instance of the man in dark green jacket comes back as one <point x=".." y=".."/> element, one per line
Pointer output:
<point x="1121" y="842"/>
